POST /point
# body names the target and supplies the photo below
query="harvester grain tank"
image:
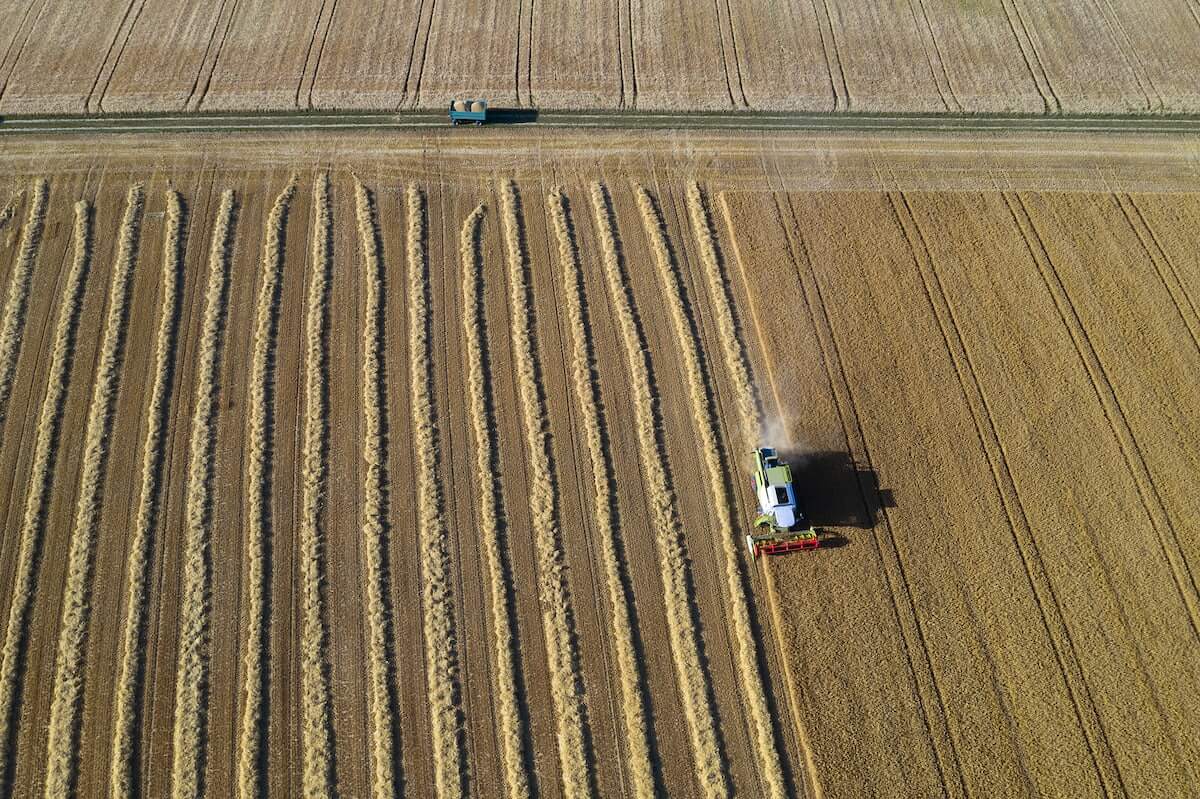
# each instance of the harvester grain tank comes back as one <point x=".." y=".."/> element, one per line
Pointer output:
<point x="463" y="111"/>
<point x="781" y="525"/>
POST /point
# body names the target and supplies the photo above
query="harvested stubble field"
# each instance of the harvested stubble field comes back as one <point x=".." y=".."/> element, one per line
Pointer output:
<point x="364" y="479"/>
<point x="1089" y="56"/>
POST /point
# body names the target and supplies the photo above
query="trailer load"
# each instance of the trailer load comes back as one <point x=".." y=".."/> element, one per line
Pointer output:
<point x="462" y="111"/>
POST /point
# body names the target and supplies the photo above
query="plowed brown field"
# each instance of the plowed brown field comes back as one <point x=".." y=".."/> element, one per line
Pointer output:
<point x="380" y="478"/>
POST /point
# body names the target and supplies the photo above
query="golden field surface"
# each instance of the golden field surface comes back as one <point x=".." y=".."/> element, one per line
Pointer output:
<point x="1090" y="56"/>
<point x="422" y="470"/>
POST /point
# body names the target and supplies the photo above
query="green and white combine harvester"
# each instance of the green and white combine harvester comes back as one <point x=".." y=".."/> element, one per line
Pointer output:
<point x="781" y="525"/>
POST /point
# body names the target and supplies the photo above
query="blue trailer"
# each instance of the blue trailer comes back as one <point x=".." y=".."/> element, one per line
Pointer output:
<point x="462" y="111"/>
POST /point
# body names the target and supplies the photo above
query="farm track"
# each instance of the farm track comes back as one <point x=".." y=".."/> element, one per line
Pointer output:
<point x="331" y="501"/>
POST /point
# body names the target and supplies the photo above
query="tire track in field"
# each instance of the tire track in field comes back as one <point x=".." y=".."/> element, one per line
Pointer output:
<point x="316" y="729"/>
<point x="1031" y="57"/>
<point x="1120" y="37"/>
<point x="1052" y="616"/>
<point x="506" y="682"/>
<point x="189" y="739"/>
<point x="1164" y="267"/>
<point x="109" y="64"/>
<point x="441" y="645"/>
<point x="17" y="299"/>
<point x="695" y="686"/>
<point x="833" y="56"/>
<point x="1168" y="537"/>
<point x="762" y="729"/>
<point x="12" y="63"/>
<point x="308" y="76"/>
<point x="207" y="69"/>
<point x="385" y="781"/>
<point x="587" y="393"/>
<point x="929" y="694"/>
<point x="562" y="650"/>
<point x="933" y="55"/>
<point x="70" y="664"/>
<point x="127" y="710"/>
<point x="259" y="489"/>
<point x="41" y="479"/>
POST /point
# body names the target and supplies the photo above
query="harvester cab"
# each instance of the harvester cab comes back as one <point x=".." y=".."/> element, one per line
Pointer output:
<point x="781" y="525"/>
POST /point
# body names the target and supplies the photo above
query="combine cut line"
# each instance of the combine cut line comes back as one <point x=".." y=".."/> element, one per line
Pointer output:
<point x="316" y="738"/>
<point x="749" y="669"/>
<point x="41" y="479"/>
<point x="71" y="660"/>
<point x="441" y="653"/>
<point x="694" y="686"/>
<point x="132" y="654"/>
<point x="189" y="739"/>
<point x="566" y="684"/>
<point x="587" y="392"/>
<point x="258" y="493"/>
<point x="18" y="292"/>
<point x="504" y="685"/>
<point x="374" y="531"/>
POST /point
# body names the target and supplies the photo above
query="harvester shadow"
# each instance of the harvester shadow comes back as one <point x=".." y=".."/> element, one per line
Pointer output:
<point x="837" y="492"/>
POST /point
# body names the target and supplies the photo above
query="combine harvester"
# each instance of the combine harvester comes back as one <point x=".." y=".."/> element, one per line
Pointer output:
<point x="781" y="525"/>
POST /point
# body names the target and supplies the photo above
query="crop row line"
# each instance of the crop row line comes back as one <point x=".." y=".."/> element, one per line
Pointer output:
<point x="441" y="648"/>
<point x="682" y="627"/>
<point x="374" y="510"/>
<point x="189" y="740"/>
<point x="566" y="684"/>
<point x="258" y="493"/>
<point x="41" y="479"/>
<point x="587" y="393"/>
<point x="18" y="291"/>
<point x="491" y="506"/>
<point x="126" y="709"/>
<point x="70" y="661"/>
<point x="745" y="398"/>
<point x="316" y="738"/>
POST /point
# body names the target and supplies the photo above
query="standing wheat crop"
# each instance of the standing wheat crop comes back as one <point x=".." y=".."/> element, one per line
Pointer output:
<point x="191" y="676"/>
<point x="41" y="479"/>
<point x="150" y="491"/>
<point x="70" y="661"/>
<point x="694" y="685"/>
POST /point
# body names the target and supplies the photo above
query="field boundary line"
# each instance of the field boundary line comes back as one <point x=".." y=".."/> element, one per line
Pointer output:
<point x="1031" y="56"/>
<point x="929" y="697"/>
<point x="17" y="299"/>
<point x="683" y="625"/>
<point x="933" y="53"/>
<point x="207" y="70"/>
<point x="1053" y="618"/>
<point x="1146" y="235"/>
<point x="146" y="524"/>
<point x="317" y="742"/>
<point x="554" y="591"/>
<point x="41" y="478"/>
<point x="189" y="743"/>
<point x="62" y="754"/>
<point x="628" y="643"/>
<point x="105" y="73"/>
<point x="386" y="781"/>
<point x="1168" y="537"/>
<point x="492" y="520"/>
<point x="441" y="652"/>
<point x="259" y="489"/>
